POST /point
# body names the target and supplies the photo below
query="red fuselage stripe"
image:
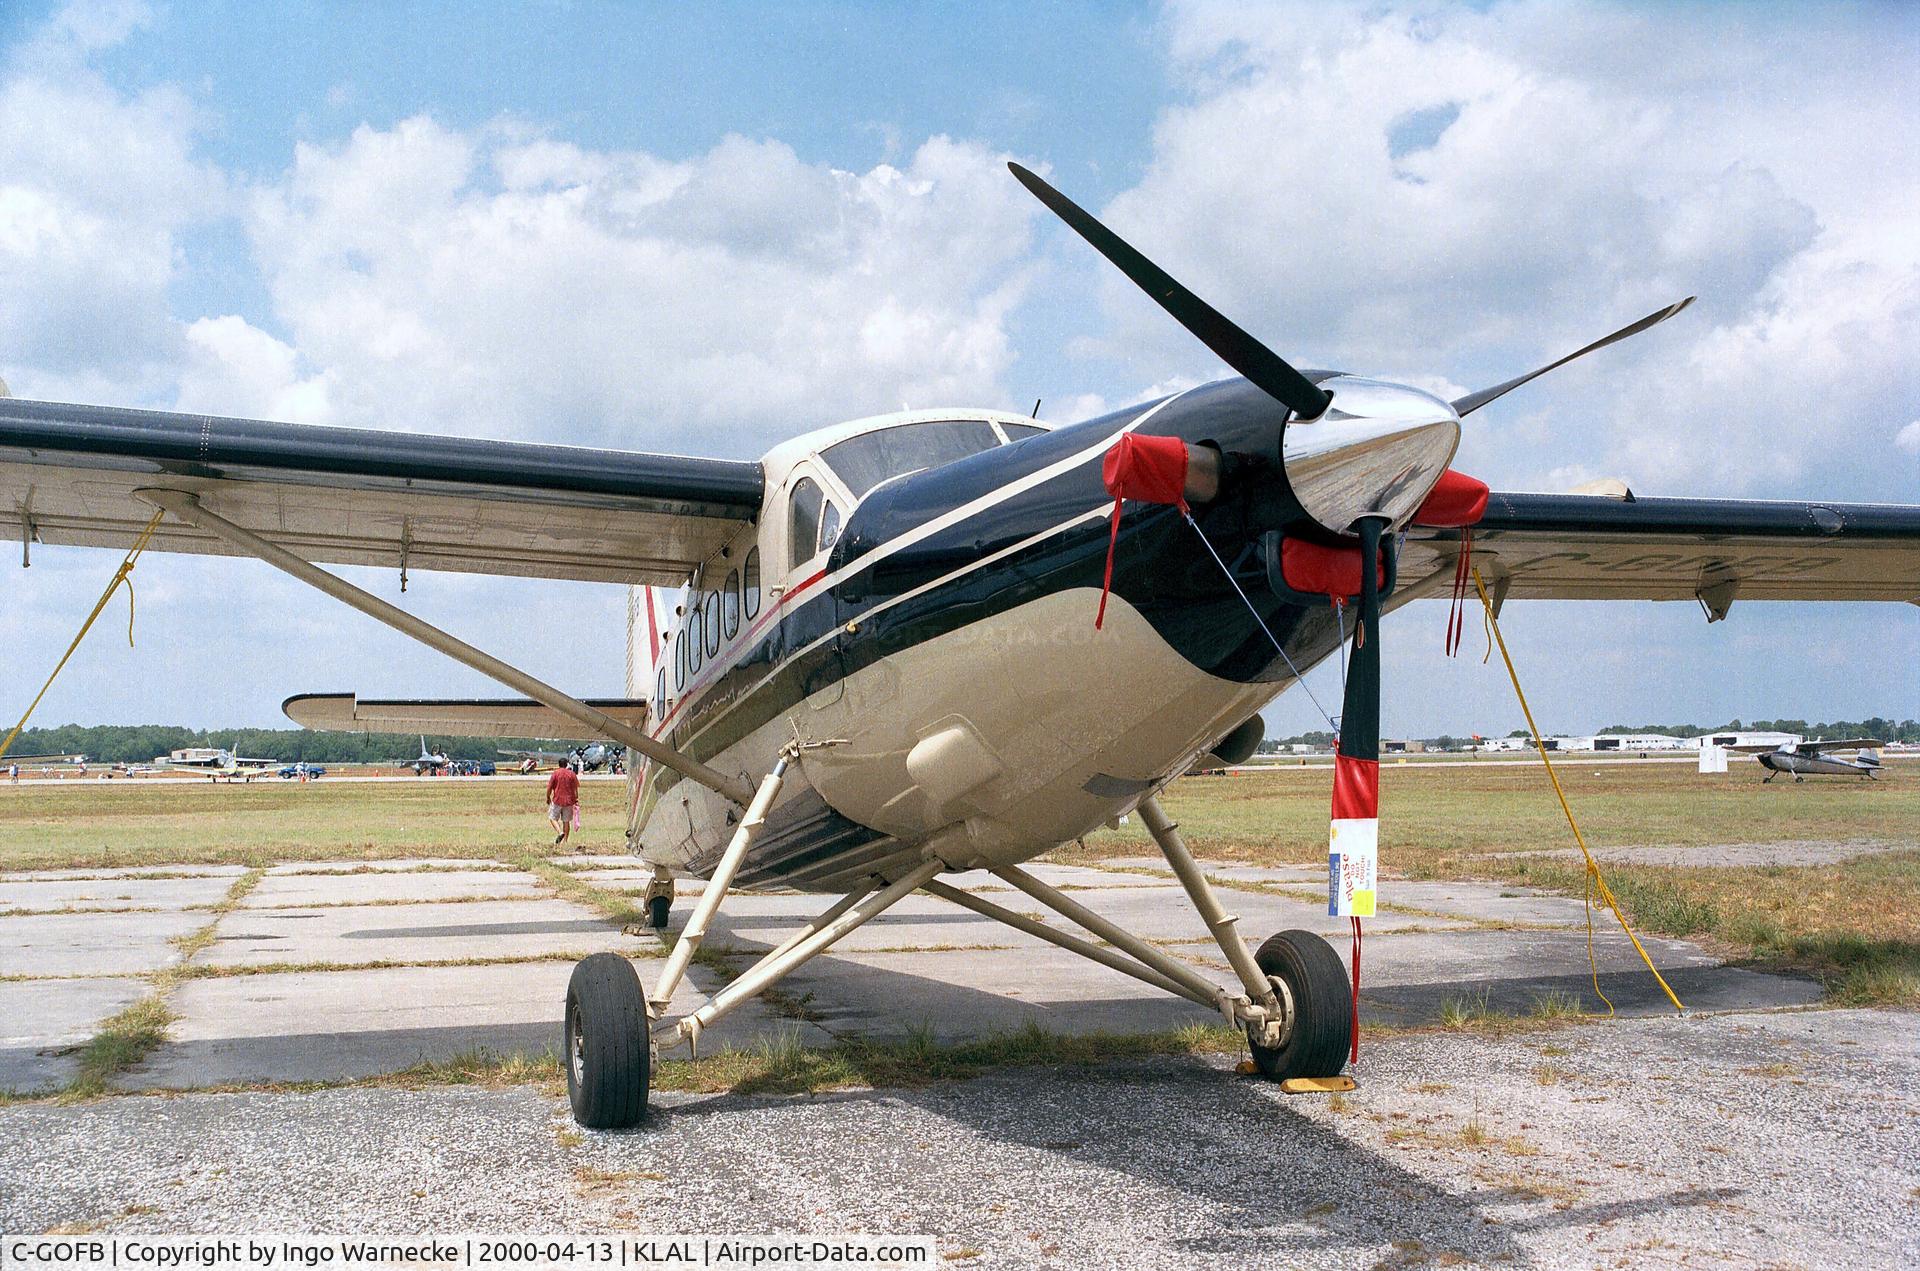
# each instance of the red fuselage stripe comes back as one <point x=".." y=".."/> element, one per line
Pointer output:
<point x="693" y="690"/>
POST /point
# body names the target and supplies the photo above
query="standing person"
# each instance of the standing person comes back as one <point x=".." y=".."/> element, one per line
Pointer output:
<point x="563" y="803"/>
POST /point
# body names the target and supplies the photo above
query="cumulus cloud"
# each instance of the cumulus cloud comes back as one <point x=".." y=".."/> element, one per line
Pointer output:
<point x="96" y="188"/>
<point x="496" y="282"/>
<point x="1450" y="195"/>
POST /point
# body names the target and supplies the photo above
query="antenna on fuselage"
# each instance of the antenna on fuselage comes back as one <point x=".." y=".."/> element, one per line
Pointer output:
<point x="1036" y="409"/>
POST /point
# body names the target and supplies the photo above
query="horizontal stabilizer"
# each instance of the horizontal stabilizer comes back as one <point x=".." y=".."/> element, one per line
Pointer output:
<point x="460" y="717"/>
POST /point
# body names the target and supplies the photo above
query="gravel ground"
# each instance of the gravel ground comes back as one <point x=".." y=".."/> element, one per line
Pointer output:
<point x="1743" y="1139"/>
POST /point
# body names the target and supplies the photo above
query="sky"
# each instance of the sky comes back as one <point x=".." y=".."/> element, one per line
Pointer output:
<point x="704" y="229"/>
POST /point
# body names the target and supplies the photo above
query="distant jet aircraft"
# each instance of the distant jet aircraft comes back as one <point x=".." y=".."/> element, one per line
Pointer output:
<point x="217" y="763"/>
<point x="45" y="761"/>
<point x="1803" y="757"/>
<point x="589" y="758"/>
<point x="427" y="760"/>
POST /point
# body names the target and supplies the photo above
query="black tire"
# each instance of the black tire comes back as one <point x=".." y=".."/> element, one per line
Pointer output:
<point x="605" y="1043"/>
<point x="657" y="912"/>
<point x="1322" y="1004"/>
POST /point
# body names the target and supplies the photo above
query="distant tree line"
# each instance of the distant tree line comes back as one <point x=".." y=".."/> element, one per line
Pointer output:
<point x="142" y="743"/>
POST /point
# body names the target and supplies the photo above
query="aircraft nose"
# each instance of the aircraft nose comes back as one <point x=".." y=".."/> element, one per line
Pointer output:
<point x="1377" y="451"/>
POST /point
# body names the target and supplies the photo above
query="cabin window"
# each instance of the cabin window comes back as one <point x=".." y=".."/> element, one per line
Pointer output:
<point x="865" y="461"/>
<point x="829" y="525"/>
<point x="731" y="603"/>
<point x="1019" y="432"/>
<point x="679" y="662"/>
<point x="660" y="695"/>
<point x="712" y="623"/>
<point x="694" y="637"/>
<point x="803" y="524"/>
<point x="750" y="584"/>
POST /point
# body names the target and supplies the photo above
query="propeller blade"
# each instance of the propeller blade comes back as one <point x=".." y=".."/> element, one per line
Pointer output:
<point x="1353" y="839"/>
<point x="1261" y="365"/>
<point x="1474" y="401"/>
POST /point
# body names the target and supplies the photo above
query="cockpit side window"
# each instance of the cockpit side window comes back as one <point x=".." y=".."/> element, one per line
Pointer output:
<point x="803" y="519"/>
<point x="829" y="525"/>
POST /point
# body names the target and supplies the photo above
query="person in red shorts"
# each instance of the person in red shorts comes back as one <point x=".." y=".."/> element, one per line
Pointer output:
<point x="563" y="802"/>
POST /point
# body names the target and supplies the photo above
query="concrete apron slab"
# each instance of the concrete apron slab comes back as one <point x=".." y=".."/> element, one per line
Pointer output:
<point x="344" y="1025"/>
<point x="133" y="871"/>
<point x="112" y="893"/>
<point x="295" y="890"/>
<point x="44" y="1023"/>
<point x="1221" y="869"/>
<point x="397" y="865"/>
<point x="93" y="943"/>
<point x="1407" y="978"/>
<point x="412" y="933"/>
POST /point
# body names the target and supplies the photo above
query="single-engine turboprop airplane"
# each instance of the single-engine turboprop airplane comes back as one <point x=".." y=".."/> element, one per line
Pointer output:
<point x="1814" y="758"/>
<point x="943" y="641"/>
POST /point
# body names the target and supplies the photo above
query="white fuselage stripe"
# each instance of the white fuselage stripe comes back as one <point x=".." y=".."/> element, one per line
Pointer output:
<point x="918" y="534"/>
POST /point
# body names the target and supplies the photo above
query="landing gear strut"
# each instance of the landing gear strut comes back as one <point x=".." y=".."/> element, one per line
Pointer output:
<point x="1292" y="997"/>
<point x="659" y="899"/>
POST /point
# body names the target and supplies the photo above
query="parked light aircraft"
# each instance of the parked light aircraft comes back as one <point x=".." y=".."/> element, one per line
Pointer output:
<point x="1804" y="758"/>
<point x="217" y="763"/>
<point x="882" y="663"/>
<point x="588" y="758"/>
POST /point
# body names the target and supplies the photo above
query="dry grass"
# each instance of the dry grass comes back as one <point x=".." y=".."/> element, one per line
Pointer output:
<point x="120" y="824"/>
<point x="781" y="1065"/>
<point x="1435" y="818"/>
<point x="121" y="1042"/>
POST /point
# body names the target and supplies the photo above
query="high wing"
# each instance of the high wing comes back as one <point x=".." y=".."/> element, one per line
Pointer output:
<point x="364" y="497"/>
<point x="1593" y="547"/>
<point x="1845" y="743"/>
<point x="467" y="717"/>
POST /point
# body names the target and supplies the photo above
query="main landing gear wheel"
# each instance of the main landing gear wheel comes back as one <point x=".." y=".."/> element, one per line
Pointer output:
<point x="607" y="1044"/>
<point x="1322" y="1007"/>
<point x="657" y="912"/>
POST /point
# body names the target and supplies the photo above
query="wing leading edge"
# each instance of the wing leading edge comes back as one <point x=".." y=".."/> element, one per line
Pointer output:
<point x="1589" y="547"/>
<point x="366" y="497"/>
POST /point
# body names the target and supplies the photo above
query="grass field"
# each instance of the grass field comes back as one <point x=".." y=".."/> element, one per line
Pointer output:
<point x="113" y="824"/>
<point x="1435" y="817"/>
<point x="1857" y="923"/>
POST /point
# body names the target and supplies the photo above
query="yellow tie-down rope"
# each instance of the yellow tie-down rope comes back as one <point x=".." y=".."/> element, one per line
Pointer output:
<point x="120" y="576"/>
<point x="1596" y="884"/>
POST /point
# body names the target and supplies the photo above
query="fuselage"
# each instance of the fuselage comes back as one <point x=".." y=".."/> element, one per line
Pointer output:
<point x="920" y="592"/>
<point x="1816" y="764"/>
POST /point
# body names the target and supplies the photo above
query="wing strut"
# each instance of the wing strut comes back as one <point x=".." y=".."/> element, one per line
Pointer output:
<point x="187" y="507"/>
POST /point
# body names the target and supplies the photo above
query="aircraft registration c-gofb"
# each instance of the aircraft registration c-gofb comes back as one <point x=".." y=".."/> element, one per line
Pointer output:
<point x="885" y="665"/>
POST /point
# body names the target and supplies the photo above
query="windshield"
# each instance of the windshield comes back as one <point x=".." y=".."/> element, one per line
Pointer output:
<point x="865" y="461"/>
